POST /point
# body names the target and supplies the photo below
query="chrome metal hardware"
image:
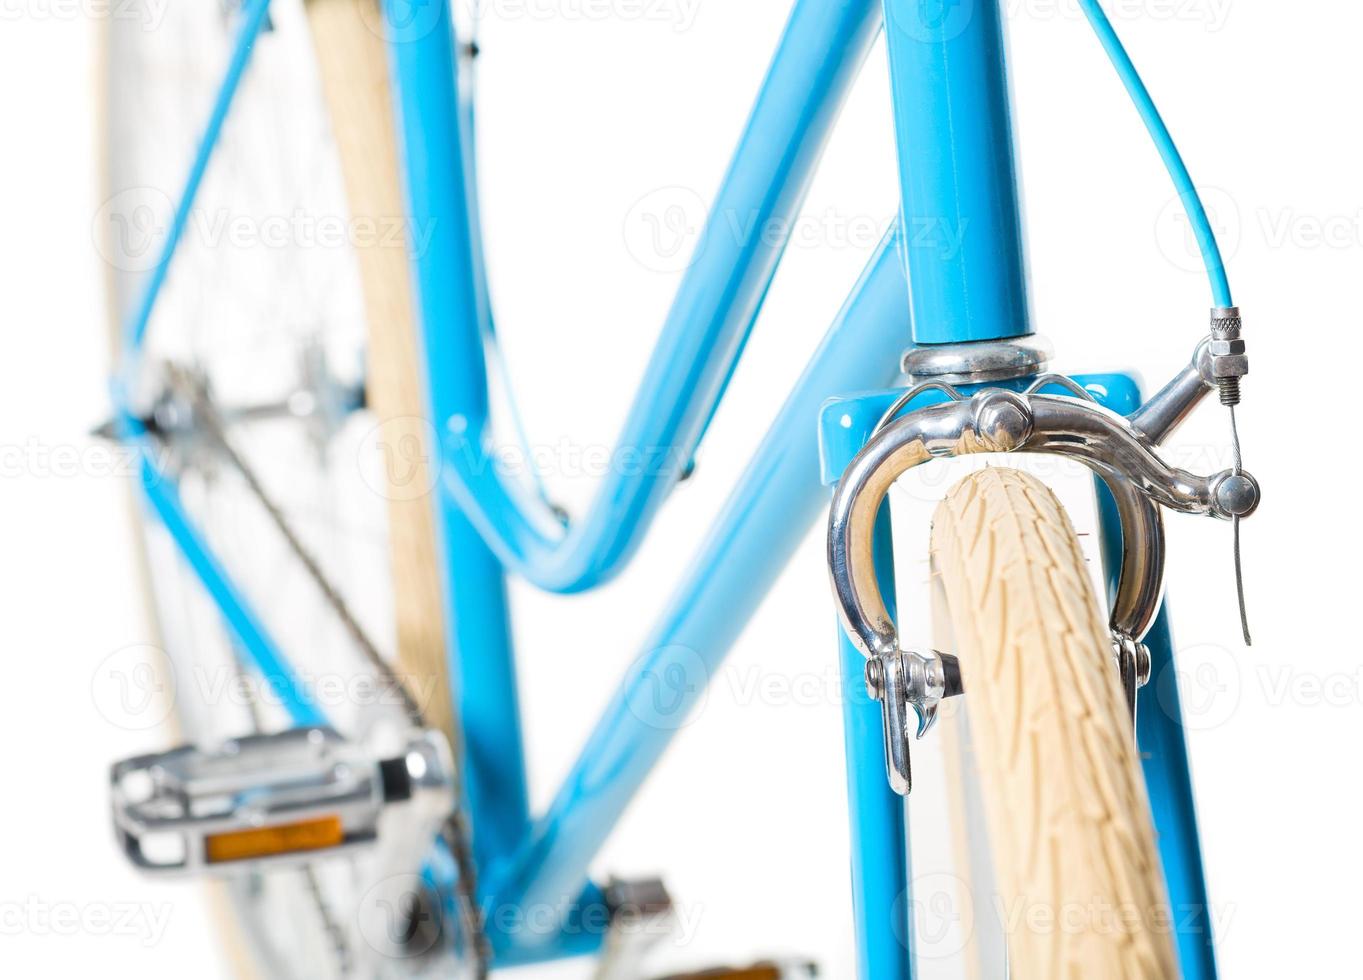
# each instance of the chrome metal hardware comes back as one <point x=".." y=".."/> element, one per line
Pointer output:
<point x="1230" y="363"/>
<point x="994" y="420"/>
<point x="1133" y="666"/>
<point x="977" y="362"/>
<point x="1167" y="408"/>
<point x="321" y="402"/>
<point x="285" y="798"/>
<point x="902" y="679"/>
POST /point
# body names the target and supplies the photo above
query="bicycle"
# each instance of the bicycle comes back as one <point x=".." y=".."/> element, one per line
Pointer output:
<point x="375" y="832"/>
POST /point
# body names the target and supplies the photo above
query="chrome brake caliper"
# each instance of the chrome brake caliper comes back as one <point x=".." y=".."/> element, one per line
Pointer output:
<point x="996" y="420"/>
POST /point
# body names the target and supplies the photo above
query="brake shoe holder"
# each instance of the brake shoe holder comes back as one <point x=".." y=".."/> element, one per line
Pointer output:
<point x="1120" y="450"/>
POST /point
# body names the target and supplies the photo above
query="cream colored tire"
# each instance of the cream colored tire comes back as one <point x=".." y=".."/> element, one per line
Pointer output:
<point x="1080" y="891"/>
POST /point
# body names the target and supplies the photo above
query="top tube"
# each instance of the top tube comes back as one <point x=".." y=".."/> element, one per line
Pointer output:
<point x="714" y="310"/>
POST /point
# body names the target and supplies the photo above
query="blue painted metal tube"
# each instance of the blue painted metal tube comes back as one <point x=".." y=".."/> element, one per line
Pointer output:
<point x="823" y="45"/>
<point x="958" y="185"/>
<point x="1164" y="144"/>
<point x="252" y="19"/>
<point x="477" y="625"/>
<point x="1168" y="779"/>
<point x="879" y="838"/>
<point x="775" y="502"/>
<point x="253" y="640"/>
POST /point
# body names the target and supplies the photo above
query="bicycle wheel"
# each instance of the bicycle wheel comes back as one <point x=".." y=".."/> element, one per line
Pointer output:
<point x="287" y="301"/>
<point x="1079" y="887"/>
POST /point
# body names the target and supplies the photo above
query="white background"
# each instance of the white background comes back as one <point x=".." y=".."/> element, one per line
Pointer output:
<point x="586" y="114"/>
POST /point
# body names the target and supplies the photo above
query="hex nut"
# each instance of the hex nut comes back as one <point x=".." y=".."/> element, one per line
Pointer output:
<point x="1230" y="365"/>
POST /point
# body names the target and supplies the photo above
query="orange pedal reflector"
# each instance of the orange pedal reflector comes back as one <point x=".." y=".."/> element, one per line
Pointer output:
<point x="240" y="845"/>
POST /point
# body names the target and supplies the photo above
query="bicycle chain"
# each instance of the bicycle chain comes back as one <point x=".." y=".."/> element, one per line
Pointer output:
<point x="455" y="831"/>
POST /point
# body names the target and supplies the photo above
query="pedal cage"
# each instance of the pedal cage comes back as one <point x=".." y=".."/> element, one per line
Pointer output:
<point x="278" y="799"/>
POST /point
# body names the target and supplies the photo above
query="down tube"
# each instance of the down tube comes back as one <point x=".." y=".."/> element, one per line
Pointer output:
<point x="774" y="504"/>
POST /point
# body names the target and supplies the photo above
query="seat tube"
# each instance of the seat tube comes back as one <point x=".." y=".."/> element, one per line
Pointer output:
<point x="957" y="173"/>
<point x="436" y="184"/>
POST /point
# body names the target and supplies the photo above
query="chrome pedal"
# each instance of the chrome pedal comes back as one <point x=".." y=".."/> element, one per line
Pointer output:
<point x="281" y="799"/>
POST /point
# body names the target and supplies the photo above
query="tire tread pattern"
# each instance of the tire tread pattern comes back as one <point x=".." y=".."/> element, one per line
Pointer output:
<point x="1082" y="894"/>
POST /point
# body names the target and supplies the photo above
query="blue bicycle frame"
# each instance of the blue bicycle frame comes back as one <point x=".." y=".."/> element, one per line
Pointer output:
<point x="957" y="169"/>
